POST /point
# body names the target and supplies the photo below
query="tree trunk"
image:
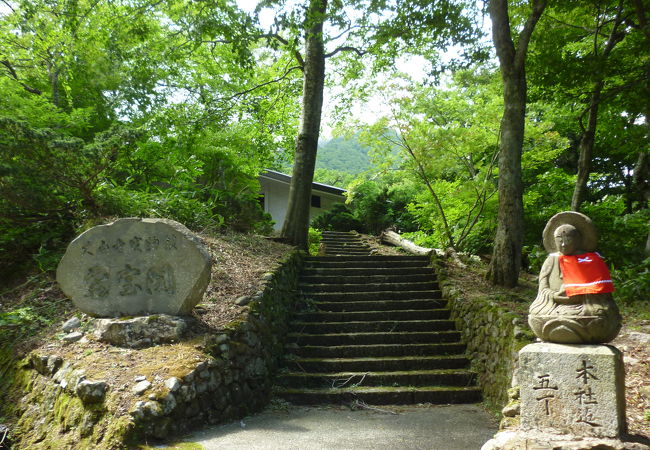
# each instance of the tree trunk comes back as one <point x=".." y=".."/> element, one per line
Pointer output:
<point x="506" y="256"/>
<point x="640" y="186"/>
<point x="586" y="149"/>
<point x="54" y="83"/>
<point x="296" y="223"/>
<point x="390" y="237"/>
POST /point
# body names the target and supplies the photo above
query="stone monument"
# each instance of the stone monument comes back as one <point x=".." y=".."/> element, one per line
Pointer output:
<point x="571" y="385"/>
<point x="574" y="303"/>
<point x="135" y="267"/>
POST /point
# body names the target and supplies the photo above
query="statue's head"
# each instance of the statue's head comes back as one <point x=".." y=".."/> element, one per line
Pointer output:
<point x="567" y="239"/>
<point x="569" y="231"/>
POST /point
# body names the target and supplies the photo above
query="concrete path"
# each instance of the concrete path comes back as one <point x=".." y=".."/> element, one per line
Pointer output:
<point x="455" y="427"/>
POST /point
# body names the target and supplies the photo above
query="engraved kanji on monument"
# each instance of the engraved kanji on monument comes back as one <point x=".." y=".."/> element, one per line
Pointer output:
<point x="572" y="389"/>
<point x="135" y="267"/>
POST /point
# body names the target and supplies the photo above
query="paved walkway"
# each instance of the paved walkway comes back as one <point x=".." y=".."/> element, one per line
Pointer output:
<point x="455" y="427"/>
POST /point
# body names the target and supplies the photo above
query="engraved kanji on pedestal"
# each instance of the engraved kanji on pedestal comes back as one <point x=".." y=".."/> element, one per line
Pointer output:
<point x="572" y="389"/>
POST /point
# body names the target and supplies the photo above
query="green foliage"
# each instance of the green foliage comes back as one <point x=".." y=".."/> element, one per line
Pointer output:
<point x="171" y="109"/>
<point x="585" y="48"/>
<point x="196" y="122"/>
<point x="534" y="257"/>
<point x="632" y="283"/>
<point x="338" y="218"/>
<point x="314" y="239"/>
<point x="36" y="310"/>
<point x="378" y="205"/>
<point x="622" y="236"/>
<point x="18" y="317"/>
<point x="332" y="177"/>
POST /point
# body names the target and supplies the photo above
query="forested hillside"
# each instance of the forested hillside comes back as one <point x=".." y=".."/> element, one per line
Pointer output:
<point x="344" y="155"/>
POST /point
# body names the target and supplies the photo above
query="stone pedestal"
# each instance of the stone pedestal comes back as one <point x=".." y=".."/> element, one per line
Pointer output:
<point x="572" y="389"/>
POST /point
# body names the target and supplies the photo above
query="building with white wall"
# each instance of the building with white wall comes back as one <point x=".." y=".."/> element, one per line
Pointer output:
<point x="274" y="194"/>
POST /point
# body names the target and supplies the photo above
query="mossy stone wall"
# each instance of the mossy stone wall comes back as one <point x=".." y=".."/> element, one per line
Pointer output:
<point x="232" y="380"/>
<point x="493" y="336"/>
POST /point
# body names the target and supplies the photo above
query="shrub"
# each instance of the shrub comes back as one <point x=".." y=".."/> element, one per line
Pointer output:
<point x="314" y="239"/>
<point x="339" y="218"/>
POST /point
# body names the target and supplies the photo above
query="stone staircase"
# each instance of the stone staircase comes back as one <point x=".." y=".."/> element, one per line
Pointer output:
<point x="343" y="244"/>
<point x="376" y="330"/>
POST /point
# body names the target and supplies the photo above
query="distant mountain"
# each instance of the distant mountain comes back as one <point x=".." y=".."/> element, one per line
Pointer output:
<point x="343" y="154"/>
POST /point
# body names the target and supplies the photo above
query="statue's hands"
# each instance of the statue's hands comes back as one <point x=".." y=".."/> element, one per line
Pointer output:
<point x="561" y="296"/>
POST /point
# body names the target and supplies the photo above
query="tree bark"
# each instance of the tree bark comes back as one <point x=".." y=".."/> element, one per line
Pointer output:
<point x="390" y="237"/>
<point x="296" y="223"/>
<point x="506" y="256"/>
<point x="640" y="186"/>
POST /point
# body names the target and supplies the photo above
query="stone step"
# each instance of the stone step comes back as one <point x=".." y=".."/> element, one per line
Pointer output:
<point x="370" y="338"/>
<point x="377" y="350"/>
<point x="377" y="296"/>
<point x="381" y="333"/>
<point x="339" y="233"/>
<point x="379" y="305"/>
<point x="367" y="271"/>
<point x="347" y="248"/>
<point x="375" y="364"/>
<point x="382" y="395"/>
<point x="353" y="249"/>
<point x="330" y="244"/>
<point x="347" y="252"/>
<point x="374" y="326"/>
<point x="356" y="316"/>
<point x="374" y="259"/>
<point x="368" y="279"/>
<point x="436" y="377"/>
<point x="350" y="288"/>
<point x="362" y="264"/>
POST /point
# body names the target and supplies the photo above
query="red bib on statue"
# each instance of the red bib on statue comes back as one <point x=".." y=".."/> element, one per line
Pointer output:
<point x="585" y="274"/>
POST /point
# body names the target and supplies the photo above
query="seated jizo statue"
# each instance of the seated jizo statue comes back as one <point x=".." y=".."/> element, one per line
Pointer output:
<point x="574" y="303"/>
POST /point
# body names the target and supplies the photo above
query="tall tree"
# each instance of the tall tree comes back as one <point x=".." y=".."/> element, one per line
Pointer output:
<point x="602" y="48"/>
<point x="370" y="28"/>
<point x="296" y="222"/>
<point x="589" y="55"/>
<point x="506" y="256"/>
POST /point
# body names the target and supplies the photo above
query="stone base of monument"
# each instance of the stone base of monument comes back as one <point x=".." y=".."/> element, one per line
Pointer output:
<point x="572" y="389"/>
<point x="141" y="332"/>
<point x="539" y="440"/>
<point x="571" y="397"/>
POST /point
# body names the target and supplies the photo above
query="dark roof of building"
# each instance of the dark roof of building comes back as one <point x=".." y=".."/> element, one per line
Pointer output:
<point x="283" y="177"/>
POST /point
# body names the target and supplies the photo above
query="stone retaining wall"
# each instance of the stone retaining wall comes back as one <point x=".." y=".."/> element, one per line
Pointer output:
<point x="233" y="378"/>
<point x="493" y="336"/>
